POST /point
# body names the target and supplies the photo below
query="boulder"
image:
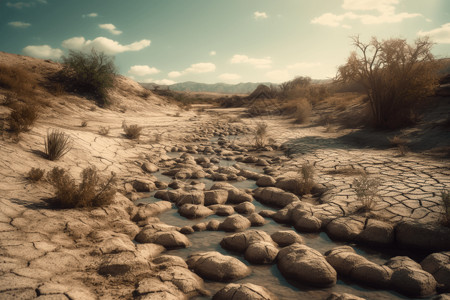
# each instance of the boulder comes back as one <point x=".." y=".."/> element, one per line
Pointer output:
<point x="345" y="228"/>
<point x="215" y="197"/>
<point x="414" y="235"/>
<point x="286" y="238"/>
<point x="243" y="291"/>
<point x="256" y="219"/>
<point x="121" y="263"/>
<point x="343" y="296"/>
<point x="190" y="197"/>
<point x="290" y="184"/>
<point x="261" y="253"/>
<point x="213" y="225"/>
<point x="308" y="223"/>
<point x="222" y="210"/>
<point x="274" y="196"/>
<point x="438" y="264"/>
<point x="235" y="223"/>
<point x="306" y="266"/>
<point x="245" y="208"/>
<point x="193" y="211"/>
<point x="154" y="288"/>
<point x="265" y="181"/>
<point x="168" y="239"/>
<point x="377" y="232"/>
<point x="165" y="261"/>
<point x="239" y="242"/>
<point x="239" y="196"/>
<point x="144" y="186"/>
<point x="217" y="267"/>
<point x="150" y="167"/>
<point x="186" y="281"/>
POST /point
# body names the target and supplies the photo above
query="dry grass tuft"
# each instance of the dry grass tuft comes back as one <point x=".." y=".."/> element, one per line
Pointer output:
<point x="35" y="174"/>
<point x="132" y="132"/>
<point x="366" y="191"/>
<point x="303" y="111"/>
<point x="103" y="130"/>
<point x="93" y="191"/>
<point x="17" y="80"/>
<point x="307" y="171"/>
<point x="260" y="135"/>
<point x="22" y="117"/>
<point x="57" y="144"/>
<point x="84" y="123"/>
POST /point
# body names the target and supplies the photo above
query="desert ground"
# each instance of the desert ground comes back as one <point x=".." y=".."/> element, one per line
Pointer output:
<point x="199" y="213"/>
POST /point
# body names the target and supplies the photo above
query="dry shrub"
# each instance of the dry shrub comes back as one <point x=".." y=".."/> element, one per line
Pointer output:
<point x="132" y="132"/>
<point x="103" y="130"/>
<point x="22" y="117"/>
<point x="84" y="123"/>
<point x="17" y="80"/>
<point x="303" y="111"/>
<point x="307" y="172"/>
<point x="366" y="191"/>
<point x="35" y="174"/>
<point x="93" y="191"/>
<point x="57" y="144"/>
<point x="260" y="135"/>
<point x="445" y="195"/>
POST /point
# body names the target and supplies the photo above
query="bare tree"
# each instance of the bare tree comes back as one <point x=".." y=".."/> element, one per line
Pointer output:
<point x="395" y="75"/>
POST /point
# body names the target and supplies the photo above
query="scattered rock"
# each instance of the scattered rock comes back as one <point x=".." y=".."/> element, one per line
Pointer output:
<point x="256" y="219"/>
<point x="239" y="242"/>
<point x="245" y="208"/>
<point x="286" y="237"/>
<point x="245" y="291"/>
<point x="274" y="196"/>
<point x="414" y="235"/>
<point x="193" y="211"/>
<point x="215" y="197"/>
<point x="150" y="167"/>
<point x="235" y="223"/>
<point x="168" y="239"/>
<point x="438" y="264"/>
<point x="261" y="253"/>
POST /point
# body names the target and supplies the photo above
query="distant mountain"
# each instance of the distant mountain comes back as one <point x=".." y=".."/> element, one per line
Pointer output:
<point x="222" y="88"/>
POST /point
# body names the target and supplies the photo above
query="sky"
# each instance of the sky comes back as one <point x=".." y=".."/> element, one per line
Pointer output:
<point x="170" y="41"/>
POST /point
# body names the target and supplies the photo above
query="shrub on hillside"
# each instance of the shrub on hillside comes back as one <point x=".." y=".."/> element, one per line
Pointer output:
<point x="22" y="117"/>
<point x="395" y="76"/>
<point x="93" y="191"/>
<point x="132" y="132"/>
<point x="303" y="111"/>
<point x="35" y="174"/>
<point x="260" y="135"/>
<point x="57" y="144"/>
<point x="17" y="80"/>
<point x="366" y="191"/>
<point x="91" y="73"/>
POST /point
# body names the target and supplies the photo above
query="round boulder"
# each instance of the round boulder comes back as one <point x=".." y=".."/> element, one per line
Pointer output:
<point x="193" y="211"/>
<point x="235" y="223"/>
<point x="261" y="253"/>
<point x="286" y="237"/>
<point x="245" y="291"/>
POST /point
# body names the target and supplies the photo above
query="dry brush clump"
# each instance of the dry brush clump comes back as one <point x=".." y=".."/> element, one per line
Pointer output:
<point x="18" y="81"/>
<point x="395" y="75"/>
<point x="261" y="135"/>
<point x="93" y="191"/>
<point x="132" y="132"/>
<point x="35" y="174"/>
<point x="57" y="144"/>
<point x="307" y="179"/>
<point x="445" y="196"/>
<point x="22" y="117"/>
<point x="366" y="191"/>
<point x="104" y="130"/>
<point x="303" y="111"/>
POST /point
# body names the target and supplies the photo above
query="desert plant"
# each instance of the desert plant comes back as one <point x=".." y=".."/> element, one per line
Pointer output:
<point x="260" y="134"/>
<point x="92" y="73"/>
<point x="366" y="191"/>
<point x="133" y="132"/>
<point x="445" y="195"/>
<point x="307" y="178"/>
<point x="22" y="117"/>
<point x="303" y="111"/>
<point x="84" y="123"/>
<point x="93" y="191"/>
<point x="18" y="80"/>
<point x="103" y="130"/>
<point x="35" y="174"/>
<point x="395" y="76"/>
<point x="57" y="144"/>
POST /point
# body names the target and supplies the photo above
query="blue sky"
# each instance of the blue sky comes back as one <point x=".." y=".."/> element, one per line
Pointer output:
<point x="168" y="41"/>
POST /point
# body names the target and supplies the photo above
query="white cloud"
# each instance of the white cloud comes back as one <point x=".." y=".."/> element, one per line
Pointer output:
<point x="278" y="76"/>
<point x="142" y="70"/>
<point x="383" y="13"/>
<point x="212" y="53"/>
<point x="439" y="35"/>
<point x="201" y="68"/>
<point x="19" y="24"/>
<point x="20" y="5"/>
<point x="174" y="74"/>
<point x="303" y="65"/>
<point x="42" y="51"/>
<point x="108" y="46"/>
<point x="91" y="15"/>
<point x="260" y="15"/>
<point x="111" y="28"/>
<point x="158" y="81"/>
<point x="229" y="77"/>
<point x="260" y="63"/>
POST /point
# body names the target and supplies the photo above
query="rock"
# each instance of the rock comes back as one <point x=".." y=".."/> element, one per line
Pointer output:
<point x="343" y="259"/>
<point x="168" y="239"/>
<point x="308" y="223"/>
<point x="222" y="210"/>
<point x="165" y="261"/>
<point x="168" y="195"/>
<point x="219" y="177"/>
<point x="290" y="184"/>
<point x="217" y="267"/>
<point x="256" y="219"/>
<point x="222" y="186"/>
<point x="245" y="208"/>
<point x="265" y="181"/>
<point x="199" y="226"/>
<point x="115" y="245"/>
<point x="438" y="265"/>
<point x="190" y="197"/>
<point x="286" y="237"/>
<point x="243" y="291"/>
<point x="422" y="236"/>
<point x="377" y="233"/>
<point x="306" y="266"/>
<point x="150" y="167"/>
<point x="282" y="216"/>
<point x="239" y="196"/>
<point x="187" y="230"/>
<point x="261" y="253"/>
<point x="213" y="225"/>
<point x="151" y="210"/>
<point x="240" y="241"/>
<point x="189" y="283"/>
<point x="144" y="186"/>
<point x="149" y="251"/>
<point x="274" y="196"/>
<point x="154" y="288"/>
<point x="235" y="223"/>
<point x="345" y="228"/>
<point x="344" y="296"/>
<point x="266" y="213"/>
<point x="215" y="197"/>
<point x="193" y="211"/>
<point x="122" y="263"/>
<point x="410" y="279"/>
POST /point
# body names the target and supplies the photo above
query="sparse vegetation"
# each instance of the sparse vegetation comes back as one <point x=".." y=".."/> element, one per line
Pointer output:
<point x="401" y="145"/>
<point x="93" y="191"/>
<point x="307" y="172"/>
<point x="132" y="132"/>
<point x="303" y="111"/>
<point x="84" y="123"/>
<point x="260" y="135"/>
<point x="35" y="174"/>
<point x="445" y="195"/>
<point x="57" y="144"/>
<point x="366" y="191"/>
<point x="103" y="130"/>
<point x="18" y="81"/>
<point x="22" y="117"/>
<point x="395" y="77"/>
<point x="89" y="73"/>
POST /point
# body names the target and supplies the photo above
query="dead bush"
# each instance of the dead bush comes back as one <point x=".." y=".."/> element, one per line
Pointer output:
<point x="307" y="172"/>
<point x="303" y="111"/>
<point x="93" y="191"/>
<point x="103" y="130"/>
<point x="84" y="123"/>
<point x="132" y="132"/>
<point x="366" y="191"/>
<point x="57" y="144"/>
<point x="22" y="117"/>
<point x="17" y="80"/>
<point x="35" y="174"/>
<point x="260" y="135"/>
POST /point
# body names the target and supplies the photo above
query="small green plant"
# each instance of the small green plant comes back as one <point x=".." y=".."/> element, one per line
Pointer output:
<point x="57" y="144"/>
<point x="103" y="130"/>
<point x="22" y="117"/>
<point x="445" y="195"/>
<point x="260" y="135"/>
<point x="35" y="174"/>
<point x="307" y="172"/>
<point x="93" y="191"/>
<point x="132" y="132"/>
<point x="366" y="191"/>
